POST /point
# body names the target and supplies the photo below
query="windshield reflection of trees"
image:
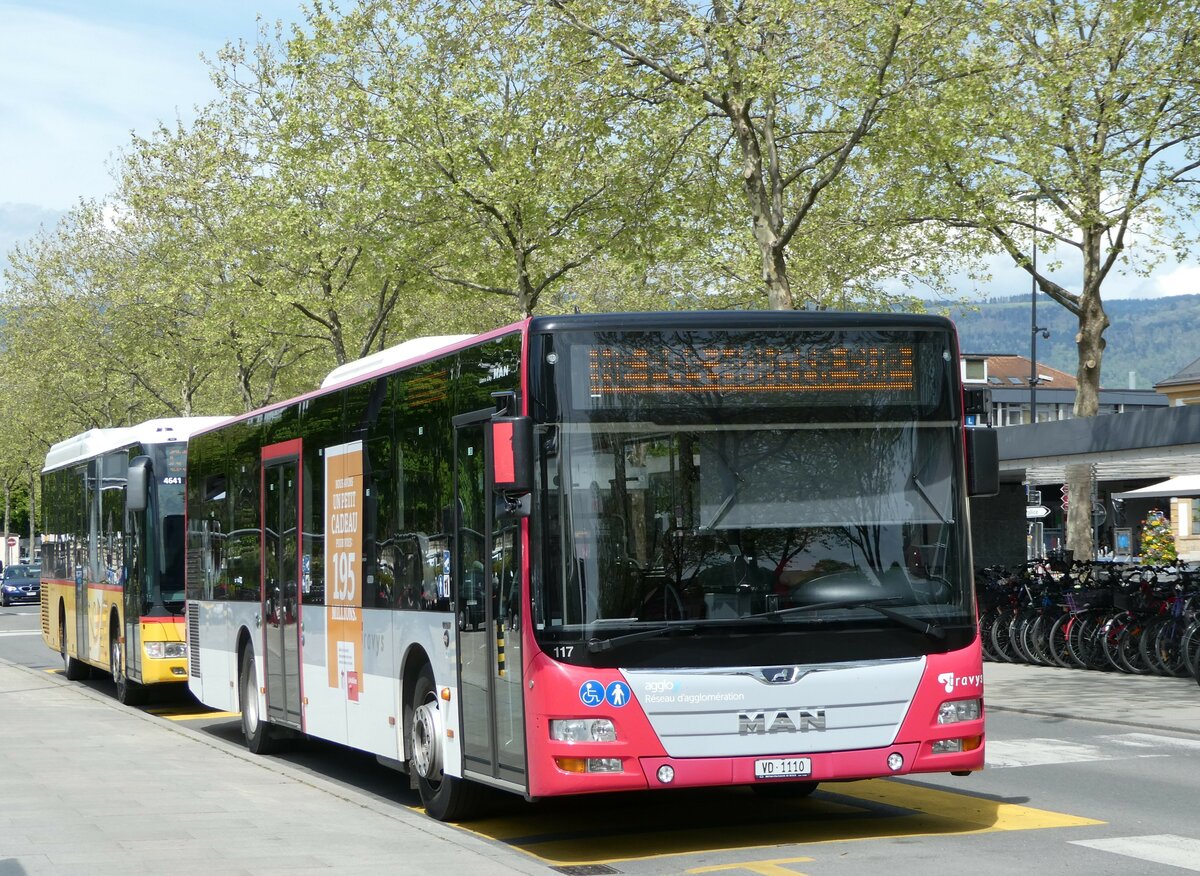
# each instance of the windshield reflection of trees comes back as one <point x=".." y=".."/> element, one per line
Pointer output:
<point x="718" y="524"/>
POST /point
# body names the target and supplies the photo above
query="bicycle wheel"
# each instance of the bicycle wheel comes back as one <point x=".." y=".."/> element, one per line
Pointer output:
<point x="1058" y="642"/>
<point x="1001" y="641"/>
<point x="1190" y="646"/>
<point x="1162" y="644"/>
<point x="1148" y="645"/>
<point x="1035" y="639"/>
<point x="985" y="635"/>
<point x="1084" y="641"/>
<point x="1129" y="652"/>
<point x="1018" y="630"/>
<point x="1169" y="647"/>
<point x="1109" y="637"/>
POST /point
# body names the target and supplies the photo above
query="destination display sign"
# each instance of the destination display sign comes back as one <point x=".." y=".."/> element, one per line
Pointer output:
<point x="620" y="370"/>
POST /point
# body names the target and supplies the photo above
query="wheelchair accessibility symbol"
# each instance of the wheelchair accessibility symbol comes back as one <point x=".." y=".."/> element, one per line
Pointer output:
<point x="591" y="693"/>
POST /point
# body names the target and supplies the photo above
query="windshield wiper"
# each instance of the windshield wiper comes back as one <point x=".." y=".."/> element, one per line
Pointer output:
<point x="928" y="501"/>
<point x="595" y="645"/>
<point x="933" y="630"/>
<point x="730" y="496"/>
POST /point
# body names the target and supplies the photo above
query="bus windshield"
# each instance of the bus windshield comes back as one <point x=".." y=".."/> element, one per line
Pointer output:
<point x="169" y="463"/>
<point x="724" y="509"/>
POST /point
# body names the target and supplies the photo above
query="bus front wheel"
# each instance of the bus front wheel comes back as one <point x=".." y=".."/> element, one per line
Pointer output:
<point x="256" y="731"/>
<point x="73" y="669"/>
<point x="444" y="797"/>
<point x="129" y="692"/>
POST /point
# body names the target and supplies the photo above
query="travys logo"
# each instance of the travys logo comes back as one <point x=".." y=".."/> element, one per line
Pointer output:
<point x="951" y="681"/>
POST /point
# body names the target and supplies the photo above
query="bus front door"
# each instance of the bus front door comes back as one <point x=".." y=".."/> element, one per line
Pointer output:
<point x="486" y="603"/>
<point x="281" y="582"/>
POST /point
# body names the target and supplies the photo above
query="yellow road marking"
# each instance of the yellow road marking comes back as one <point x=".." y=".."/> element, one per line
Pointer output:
<point x="201" y="715"/>
<point x="767" y="868"/>
<point x="586" y="831"/>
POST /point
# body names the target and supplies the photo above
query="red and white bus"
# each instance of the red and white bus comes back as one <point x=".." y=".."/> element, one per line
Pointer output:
<point x="609" y="552"/>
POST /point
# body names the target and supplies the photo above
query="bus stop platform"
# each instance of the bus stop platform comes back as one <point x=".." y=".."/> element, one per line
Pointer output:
<point x="92" y="787"/>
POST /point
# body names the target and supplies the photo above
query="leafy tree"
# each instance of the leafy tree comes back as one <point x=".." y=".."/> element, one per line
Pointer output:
<point x="496" y="137"/>
<point x="1085" y="134"/>
<point x="797" y="89"/>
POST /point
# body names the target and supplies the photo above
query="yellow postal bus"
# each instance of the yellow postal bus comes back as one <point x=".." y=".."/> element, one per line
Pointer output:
<point x="113" y="553"/>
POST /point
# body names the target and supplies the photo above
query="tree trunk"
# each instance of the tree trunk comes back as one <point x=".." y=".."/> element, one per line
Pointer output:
<point x="779" y="290"/>
<point x="32" y="513"/>
<point x="1079" y="511"/>
<point x="7" y="520"/>
<point x="759" y="180"/>
<point x="1090" y="345"/>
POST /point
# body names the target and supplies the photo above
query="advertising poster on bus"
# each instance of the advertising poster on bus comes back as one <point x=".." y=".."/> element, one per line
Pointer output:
<point x="343" y="566"/>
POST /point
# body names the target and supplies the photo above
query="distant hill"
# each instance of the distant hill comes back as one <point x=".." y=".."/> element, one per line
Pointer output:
<point x="1155" y="338"/>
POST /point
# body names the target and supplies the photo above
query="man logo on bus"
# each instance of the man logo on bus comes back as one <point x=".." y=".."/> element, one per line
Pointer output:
<point x="798" y="721"/>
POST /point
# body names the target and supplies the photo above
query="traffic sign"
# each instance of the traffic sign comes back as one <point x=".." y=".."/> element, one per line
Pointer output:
<point x="1036" y="512"/>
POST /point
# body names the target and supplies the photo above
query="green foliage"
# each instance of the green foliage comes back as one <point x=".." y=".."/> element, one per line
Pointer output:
<point x="414" y="167"/>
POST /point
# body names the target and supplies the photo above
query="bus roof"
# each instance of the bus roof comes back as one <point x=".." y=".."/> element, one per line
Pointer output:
<point x="737" y="319"/>
<point x="415" y="348"/>
<point x="96" y="442"/>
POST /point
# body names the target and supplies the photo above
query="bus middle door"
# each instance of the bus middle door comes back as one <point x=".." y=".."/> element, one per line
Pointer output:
<point x="281" y="581"/>
<point x="489" y="645"/>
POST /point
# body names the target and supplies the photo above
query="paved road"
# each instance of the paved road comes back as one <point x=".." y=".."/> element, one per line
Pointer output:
<point x="98" y="788"/>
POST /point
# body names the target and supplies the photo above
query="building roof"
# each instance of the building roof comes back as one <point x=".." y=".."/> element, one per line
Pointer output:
<point x="1008" y="370"/>
<point x="1190" y="373"/>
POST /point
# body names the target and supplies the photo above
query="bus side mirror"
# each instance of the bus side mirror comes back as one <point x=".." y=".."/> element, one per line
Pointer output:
<point x="137" y="484"/>
<point x="510" y="458"/>
<point x="983" y="462"/>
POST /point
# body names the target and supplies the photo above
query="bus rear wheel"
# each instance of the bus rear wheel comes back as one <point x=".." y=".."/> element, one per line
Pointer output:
<point x="74" y="670"/>
<point x="444" y="797"/>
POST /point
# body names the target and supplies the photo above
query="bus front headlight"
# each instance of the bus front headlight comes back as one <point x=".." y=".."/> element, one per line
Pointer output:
<point x="960" y="710"/>
<point x="166" y="650"/>
<point x="583" y="730"/>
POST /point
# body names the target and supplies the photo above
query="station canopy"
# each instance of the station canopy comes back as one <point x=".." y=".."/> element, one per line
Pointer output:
<point x="1187" y="485"/>
<point x="1151" y="446"/>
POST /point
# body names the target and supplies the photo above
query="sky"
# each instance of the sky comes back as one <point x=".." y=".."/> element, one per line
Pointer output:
<point x="77" y="77"/>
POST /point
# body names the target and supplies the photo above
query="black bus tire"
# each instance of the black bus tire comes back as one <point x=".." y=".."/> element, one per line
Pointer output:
<point x="74" y="670"/>
<point x="255" y="728"/>
<point x="445" y="798"/>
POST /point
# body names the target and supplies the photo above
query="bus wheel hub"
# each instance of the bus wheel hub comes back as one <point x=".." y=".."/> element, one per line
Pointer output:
<point x="427" y="741"/>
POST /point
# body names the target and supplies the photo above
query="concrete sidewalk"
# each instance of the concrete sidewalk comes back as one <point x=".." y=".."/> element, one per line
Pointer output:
<point x="1144" y="701"/>
<point x="91" y="787"/>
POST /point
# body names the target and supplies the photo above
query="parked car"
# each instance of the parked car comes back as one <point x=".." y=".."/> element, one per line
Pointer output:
<point x="21" y="583"/>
